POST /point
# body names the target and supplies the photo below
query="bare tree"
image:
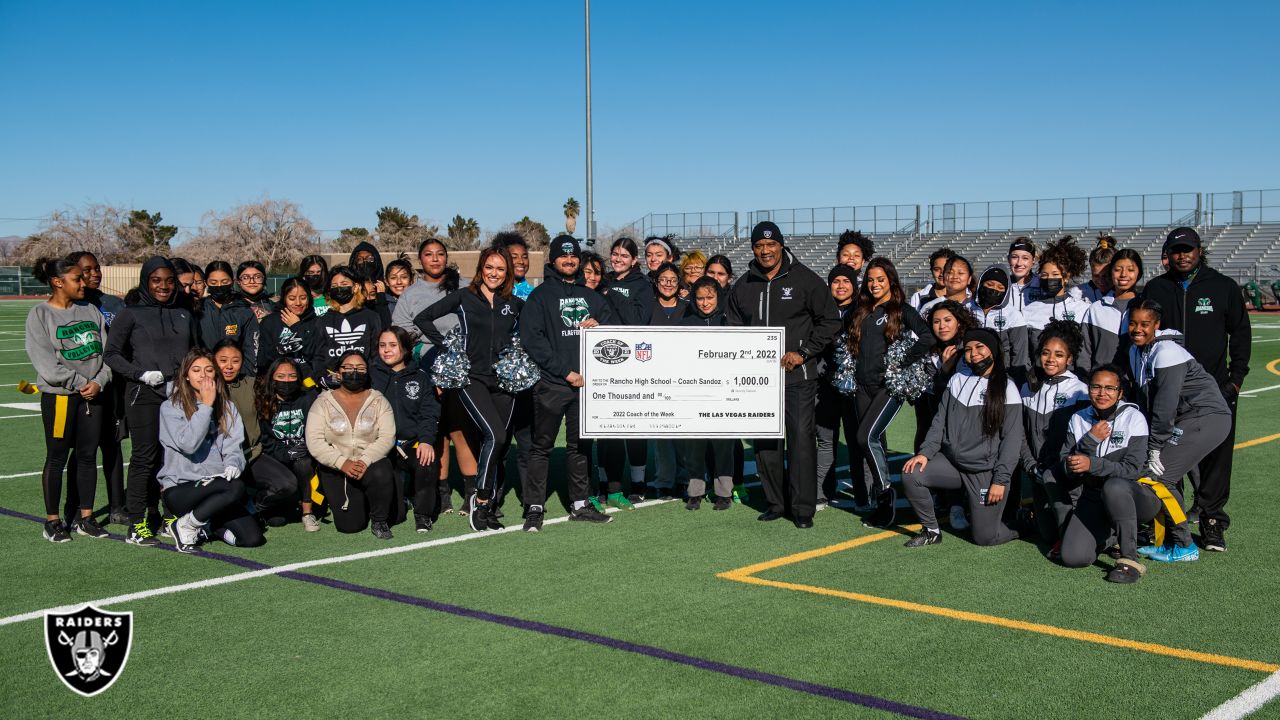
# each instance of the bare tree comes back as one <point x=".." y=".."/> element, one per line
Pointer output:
<point x="533" y="232"/>
<point x="95" y="228"/>
<point x="399" y="231"/>
<point x="274" y="232"/>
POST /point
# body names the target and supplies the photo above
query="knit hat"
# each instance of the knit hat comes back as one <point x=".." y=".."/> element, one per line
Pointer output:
<point x="767" y="231"/>
<point x="564" y="245"/>
<point x="985" y="336"/>
<point x="843" y="271"/>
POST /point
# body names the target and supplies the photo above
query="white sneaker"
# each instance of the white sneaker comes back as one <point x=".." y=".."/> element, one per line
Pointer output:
<point x="820" y="506"/>
<point x="187" y="529"/>
<point x="310" y="523"/>
<point x="958" y="520"/>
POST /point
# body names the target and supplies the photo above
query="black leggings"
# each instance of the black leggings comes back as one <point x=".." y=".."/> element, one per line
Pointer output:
<point x="279" y="484"/>
<point x="617" y="455"/>
<point x="426" y="499"/>
<point x="220" y="503"/>
<point x="490" y="410"/>
<point x="71" y="424"/>
<point x="354" y="503"/>
<point x="142" y="411"/>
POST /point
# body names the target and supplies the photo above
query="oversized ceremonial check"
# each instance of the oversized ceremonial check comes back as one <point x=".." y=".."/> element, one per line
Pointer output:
<point x="681" y="382"/>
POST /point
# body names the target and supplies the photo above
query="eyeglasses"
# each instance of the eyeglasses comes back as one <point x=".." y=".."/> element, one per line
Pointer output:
<point x="694" y="268"/>
<point x="252" y="278"/>
<point x="1108" y="389"/>
<point x="668" y="281"/>
<point x="353" y="368"/>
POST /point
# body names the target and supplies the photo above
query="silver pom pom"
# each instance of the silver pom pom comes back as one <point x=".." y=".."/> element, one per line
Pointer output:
<point x="843" y="375"/>
<point x="452" y="368"/>
<point x="515" y="370"/>
<point x="909" y="382"/>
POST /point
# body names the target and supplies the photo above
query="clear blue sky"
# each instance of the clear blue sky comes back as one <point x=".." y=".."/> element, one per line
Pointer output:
<point x="476" y="107"/>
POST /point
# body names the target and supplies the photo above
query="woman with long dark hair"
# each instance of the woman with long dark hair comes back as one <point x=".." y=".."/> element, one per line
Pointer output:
<point x="407" y="385"/>
<point x="949" y="321"/>
<point x="314" y="271"/>
<point x="348" y="326"/>
<point x="1106" y="322"/>
<point x="251" y="278"/>
<point x="832" y="409"/>
<point x="290" y="330"/>
<point x="285" y="467"/>
<point x="226" y="313"/>
<point x="881" y="319"/>
<point x="972" y="445"/>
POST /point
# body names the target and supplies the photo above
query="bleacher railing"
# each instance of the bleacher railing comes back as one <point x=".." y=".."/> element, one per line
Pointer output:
<point x="690" y="225"/>
<point x="1104" y="211"/>
<point x="870" y="219"/>
<point x="1239" y="207"/>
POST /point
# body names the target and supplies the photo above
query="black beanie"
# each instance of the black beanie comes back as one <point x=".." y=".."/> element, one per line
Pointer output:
<point x="845" y="271"/>
<point x="767" y="231"/>
<point x="564" y="245"/>
<point x="986" y="336"/>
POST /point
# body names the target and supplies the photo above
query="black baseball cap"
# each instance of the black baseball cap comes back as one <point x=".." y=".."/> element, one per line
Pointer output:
<point x="1182" y="237"/>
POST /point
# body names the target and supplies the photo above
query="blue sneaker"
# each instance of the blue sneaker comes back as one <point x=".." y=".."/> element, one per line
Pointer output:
<point x="1149" y="550"/>
<point x="1176" y="554"/>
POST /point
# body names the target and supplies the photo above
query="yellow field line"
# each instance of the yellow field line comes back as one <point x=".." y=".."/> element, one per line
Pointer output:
<point x="1273" y="367"/>
<point x="747" y="575"/>
<point x="1257" y="441"/>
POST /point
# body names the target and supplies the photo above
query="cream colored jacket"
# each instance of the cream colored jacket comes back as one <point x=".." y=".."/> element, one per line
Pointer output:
<point x="332" y="439"/>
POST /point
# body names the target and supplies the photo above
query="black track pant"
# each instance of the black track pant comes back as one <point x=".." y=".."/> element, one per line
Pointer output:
<point x="220" y="503"/>
<point x="834" y="410"/>
<point x="1102" y="514"/>
<point x="110" y="441"/>
<point x="1054" y="499"/>
<point x="941" y="474"/>
<point x="521" y="431"/>
<point x="800" y="481"/>
<point x="424" y="481"/>
<point x="617" y="456"/>
<point x="876" y="409"/>
<point x="551" y="402"/>
<point x="71" y="428"/>
<point x="490" y="410"/>
<point x="142" y="411"/>
<point x="278" y="484"/>
<point x="1215" y="475"/>
<point x="355" y="503"/>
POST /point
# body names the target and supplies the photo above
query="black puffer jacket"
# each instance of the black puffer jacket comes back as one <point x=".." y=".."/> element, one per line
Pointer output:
<point x="149" y="336"/>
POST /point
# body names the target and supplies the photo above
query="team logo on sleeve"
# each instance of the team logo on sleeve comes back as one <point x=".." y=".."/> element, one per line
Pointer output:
<point x="573" y="310"/>
<point x="79" y="340"/>
<point x="644" y="352"/>
<point x="89" y="647"/>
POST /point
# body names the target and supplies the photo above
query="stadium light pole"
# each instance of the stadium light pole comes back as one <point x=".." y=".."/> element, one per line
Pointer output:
<point x="591" y="241"/>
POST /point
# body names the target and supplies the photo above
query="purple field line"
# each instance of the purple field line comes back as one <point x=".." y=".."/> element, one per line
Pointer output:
<point x="854" y="698"/>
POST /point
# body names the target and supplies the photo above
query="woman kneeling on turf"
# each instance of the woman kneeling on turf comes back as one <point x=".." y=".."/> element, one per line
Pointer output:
<point x="1105" y="449"/>
<point x="350" y="430"/>
<point x="201" y="432"/>
<point x="973" y="444"/>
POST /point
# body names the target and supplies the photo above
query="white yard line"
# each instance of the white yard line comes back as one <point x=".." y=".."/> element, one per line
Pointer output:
<point x="291" y="567"/>
<point x="1247" y="702"/>
<point x="28" y="364"/>
<point x="1251" y="392"/>
<point x="34" y="474"/>
<point x="15" y="417"/>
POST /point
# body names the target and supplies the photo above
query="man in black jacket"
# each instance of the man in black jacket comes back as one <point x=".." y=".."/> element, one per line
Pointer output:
<point x="553" y="317"/>
<point x="777" y="291"/>
<point x="1208" y="309"/>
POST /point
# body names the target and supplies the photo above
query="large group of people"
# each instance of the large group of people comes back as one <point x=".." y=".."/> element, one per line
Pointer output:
<point x="346" y="397"/>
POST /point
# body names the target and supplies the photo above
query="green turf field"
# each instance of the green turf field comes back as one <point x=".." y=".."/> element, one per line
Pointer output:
<point x="656" y="614"/>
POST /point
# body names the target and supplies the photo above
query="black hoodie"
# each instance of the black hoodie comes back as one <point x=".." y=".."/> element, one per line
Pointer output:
<point x="283" y="435"/>
<point x="668" y="316"/>
<point x="695" y="318"/>
<point x="234" y="320"/>
<point x="149" y="336"/>
<point x="298" y="343"/>
<point x="631" y="297"/>
<point x="550" y="319"/>
<point x="373" y="275"/>
<point x="338" y="332"/>
<point x="797" y="300"/>
<point x="413" y="400"/>
<point x="109" y="305"/>
<point x="487" y="327"/>
<point x="1210" y="313"/>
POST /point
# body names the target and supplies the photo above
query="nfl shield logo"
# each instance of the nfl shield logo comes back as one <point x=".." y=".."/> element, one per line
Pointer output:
<point x="644" y="351"/>
<point x="89" y="647"/>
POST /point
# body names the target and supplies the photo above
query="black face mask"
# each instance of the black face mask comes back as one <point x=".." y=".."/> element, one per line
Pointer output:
<point x="355" y="381"/>
<point x="980" y="368"/>
<point x="288" y="389"/>
<point x="315" y="282"/>
<point x="1051" y="286"/>
<point x="220" y="293"/>
<point x="1106" y="414"/>
<point x="989" y="297"/>
<point x="366" y="269"/>
<point x="342" y="295"/>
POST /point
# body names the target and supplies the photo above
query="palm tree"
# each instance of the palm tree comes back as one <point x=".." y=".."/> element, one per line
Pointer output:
<point x="571" y="210"/>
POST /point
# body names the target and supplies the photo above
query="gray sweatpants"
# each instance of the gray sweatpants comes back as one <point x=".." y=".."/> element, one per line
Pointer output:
<point x="940" y="474"/>
<point x="1200" y="436"/>
<point x="1054" y="500"/>
<point x="1114" y="510"/>
<point x="694" y="453"/>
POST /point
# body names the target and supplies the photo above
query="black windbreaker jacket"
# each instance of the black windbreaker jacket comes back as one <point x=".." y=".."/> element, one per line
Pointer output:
<point x="487" y="327"/>
<point x="1211" y="315"/>
<point x="549" y="323"/>
<point x="149" y="336"/>
<point x="413" y="400"/>
<point x="631" y="297"/>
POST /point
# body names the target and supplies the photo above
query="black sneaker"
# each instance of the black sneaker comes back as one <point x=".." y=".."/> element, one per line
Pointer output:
<point x="89" y="527"/>
<point x="587" y="513"/>
<point x="422" y="523"/>
<point x="118" y="516"/>
<point x="56" y="531"/>
<point x="924" y="537"/>
<point x="723" y="503"/>
<point x="491" y="522"/>
<point x="885" y="512"/>
<point x="381" y="531"/>
<point x="182" y="547"/>
<point x="477" y="514"/>
<point x="1211" y="537"/>
<point x="533" y="519"/>
<point x="140" y="534"/>
<point x="693" y="503"/>
<point x="1126" y="572"/>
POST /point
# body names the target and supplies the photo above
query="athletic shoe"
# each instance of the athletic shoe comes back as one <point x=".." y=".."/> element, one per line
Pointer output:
<point x="741" y="494"/>
<point x="56" y="531"/>
<point x="474" y="512"/>
<point x="533" y="519"/>
<point x="156" y="523"/>
<point x="491" y="522"/>
<point x="1176" y="553"/>
<point x="924" y="537"/>
<point x="586" y="513"/>
<point x="723" y="503"/>
<point x="885" y="512"/>
<point x="1114" y="552"/>
<point x="1193" y="515"/>
<point x="140" y="534"/>
<point x="863" y="508"/>
<point x="841" y="503"/>
<point x="663" y="493"/>
<point x="958" y="520"/>
<point x="820" y="506"/>
<point x="118" y="516"/>
<point x="1211" y="535"/>
<point x="770" y="515"/>
<point x="180" y="542"/>
<point x="596" y="502"/>
<point x="616" y="500"/>
<point x="277" y="521"/>
<point x="1126" y="572"/>
<point x="163" y="530"/>
<point x="1055" y="552"/>
<point x="310" y="523"/>
<point x="89" y="527"/>
<point x="422" y="523"/>
<point x="693" y="503"/>
<point x="381" y="531"/>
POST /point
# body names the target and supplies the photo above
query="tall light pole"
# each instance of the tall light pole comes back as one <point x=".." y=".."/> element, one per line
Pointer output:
<point x="590" y="234"/>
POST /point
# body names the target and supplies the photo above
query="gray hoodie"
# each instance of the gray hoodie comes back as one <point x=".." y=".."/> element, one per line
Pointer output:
<point x="1122" y="454"/>
<point x="956" y="431"/>
<point x="1172" y="387"/>
<point x="1045" y="414"/>
<point x="194" y="448"/>
<point x="1106" y="327"/>
<point x="418" y="297"/>
<point x="66" y="347"/>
